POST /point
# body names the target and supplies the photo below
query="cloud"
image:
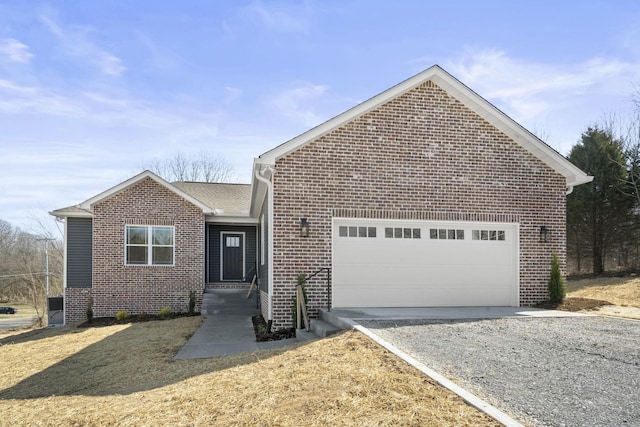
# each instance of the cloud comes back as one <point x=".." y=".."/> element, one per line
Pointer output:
<point x="294" y="18"/>
<point x="76" y="42"/>
<point x="276" y="19"/>
<point x="558" y="100"/>
<point x="530" y="89"/>
<point x="89" y="108"/>
<point x="233" y="93"/>
<point x="288" y="103"/>
<point x="15" y="50"/>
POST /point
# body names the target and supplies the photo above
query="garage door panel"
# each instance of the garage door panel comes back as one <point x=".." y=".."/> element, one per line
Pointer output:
<point x="419" y="297"/>
<point x="409" y="272"/>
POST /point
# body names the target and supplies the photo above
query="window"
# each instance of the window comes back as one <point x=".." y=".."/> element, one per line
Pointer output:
<point x="357" y="231"/>
<point x="149" y="245"/>
<point x="488" y="235"/>
<point x="233" y="241"/>
<point x="401" y="233"/>
<point x="446" y="234"/>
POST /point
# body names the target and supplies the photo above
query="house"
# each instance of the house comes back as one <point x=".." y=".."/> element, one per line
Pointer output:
<point x="424" y="195"/>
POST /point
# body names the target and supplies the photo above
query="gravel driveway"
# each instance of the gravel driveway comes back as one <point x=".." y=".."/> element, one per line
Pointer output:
<point x="582" y="371"/>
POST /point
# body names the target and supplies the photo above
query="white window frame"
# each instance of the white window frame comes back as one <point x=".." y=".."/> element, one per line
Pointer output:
<point x="149" y="246"/>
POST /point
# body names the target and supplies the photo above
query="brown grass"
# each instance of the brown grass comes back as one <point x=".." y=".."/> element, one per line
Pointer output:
<point x="123" y="375"/>
<point x="623" y="291"/>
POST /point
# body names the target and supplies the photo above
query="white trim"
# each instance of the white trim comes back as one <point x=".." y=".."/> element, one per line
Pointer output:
<point x="573" y="175"/>
<point x="207" y="257"/>
<point x="65" y="272"/>
<point x="258" y="170"/>
<point x="244" y="250"/>
<point x="150" y="246"/>
<point x="230" y="219"/>
<point x="262" y="239"/>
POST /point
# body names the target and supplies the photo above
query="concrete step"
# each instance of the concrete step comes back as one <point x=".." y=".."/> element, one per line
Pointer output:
<point x="229" y="301"/>
<point x="323" y="329"/>
<point x="330" y="318"/>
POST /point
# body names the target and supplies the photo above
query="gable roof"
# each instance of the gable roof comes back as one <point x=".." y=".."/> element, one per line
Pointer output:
<point x="213" y="198"/>
<point x="86" y="208"/>
<point x="88" y="204"/>
<point x="225" y="198"/>
<point x="573" y="175"/>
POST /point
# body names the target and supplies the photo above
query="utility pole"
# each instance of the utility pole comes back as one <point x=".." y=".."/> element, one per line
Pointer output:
<point x="46" y="257"/>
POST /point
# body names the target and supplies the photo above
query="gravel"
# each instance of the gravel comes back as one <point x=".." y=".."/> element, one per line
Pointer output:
<point x="580" y="371"/>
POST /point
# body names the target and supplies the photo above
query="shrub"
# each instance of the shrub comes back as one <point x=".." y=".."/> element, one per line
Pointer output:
<point x="122" y="315"/>
<point x="165" y="312"/>
<point x="557" y="287"/>
<point x="143" y="315"/>
<point x="192" y="302"/>
<point x="90" y="310"/>
<point x="301" y="278"/>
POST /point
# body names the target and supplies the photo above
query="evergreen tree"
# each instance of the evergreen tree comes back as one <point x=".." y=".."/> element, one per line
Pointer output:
<point x="599" y="212"/>
<point x="557" y="288"/>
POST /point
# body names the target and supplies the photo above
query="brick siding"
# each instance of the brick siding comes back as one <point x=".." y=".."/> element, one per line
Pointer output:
<point x="423" y="155"/>
<point x="137" y="289"/>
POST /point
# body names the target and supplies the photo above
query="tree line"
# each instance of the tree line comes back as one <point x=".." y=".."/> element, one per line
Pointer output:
<point x="603" y="216"/>
<point x="23" y="267"/>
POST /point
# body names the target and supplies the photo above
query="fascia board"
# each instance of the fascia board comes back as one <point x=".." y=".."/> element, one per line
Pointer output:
<point x="88" y="204"/>
<point x="230" y="219"/>
<point x="60" y="213"/>
<point x="573" y="175"/>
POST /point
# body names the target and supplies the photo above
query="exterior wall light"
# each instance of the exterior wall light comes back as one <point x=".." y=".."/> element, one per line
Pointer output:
<point x="304" y="227"/>
<point x="544" y="234"/>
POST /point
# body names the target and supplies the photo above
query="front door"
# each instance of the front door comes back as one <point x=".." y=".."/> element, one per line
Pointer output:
<point x="232" y="256"/>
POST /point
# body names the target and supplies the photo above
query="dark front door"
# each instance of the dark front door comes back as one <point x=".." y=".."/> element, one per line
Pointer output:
<point x="232" y="256"/>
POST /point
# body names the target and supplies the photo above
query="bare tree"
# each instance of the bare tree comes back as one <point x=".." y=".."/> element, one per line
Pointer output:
<point x="200" y="167"/>
<point x="22" y="268"/>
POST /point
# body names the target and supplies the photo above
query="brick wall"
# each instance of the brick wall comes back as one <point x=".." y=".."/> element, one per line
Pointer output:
<point x="424" y="155"/>
<point x="137" y="289"/>
<point x="76" y="302"/>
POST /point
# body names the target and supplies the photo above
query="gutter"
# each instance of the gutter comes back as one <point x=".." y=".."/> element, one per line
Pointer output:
<point x="269" y="184"/>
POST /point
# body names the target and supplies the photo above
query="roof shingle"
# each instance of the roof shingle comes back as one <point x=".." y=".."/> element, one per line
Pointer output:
<point x="228" y="198"/>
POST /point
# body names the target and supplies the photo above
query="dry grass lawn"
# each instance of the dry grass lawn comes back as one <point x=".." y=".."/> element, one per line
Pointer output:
<point x="624" y="291"/>
<point x="123" y="375"/>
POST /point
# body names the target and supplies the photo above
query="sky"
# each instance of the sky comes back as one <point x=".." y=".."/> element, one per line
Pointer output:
<point x="90" y="91"/>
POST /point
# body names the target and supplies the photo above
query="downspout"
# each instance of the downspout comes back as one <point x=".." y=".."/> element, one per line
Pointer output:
<point x="64" y="270"/>
<point x="269" y="185"/>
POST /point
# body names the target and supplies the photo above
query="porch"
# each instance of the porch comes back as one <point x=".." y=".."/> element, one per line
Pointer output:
<point x="231" y="255"/>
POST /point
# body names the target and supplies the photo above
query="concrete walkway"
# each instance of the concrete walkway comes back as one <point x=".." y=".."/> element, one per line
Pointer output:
<point x="227" y="328"/>
<point x="446" y="313"/>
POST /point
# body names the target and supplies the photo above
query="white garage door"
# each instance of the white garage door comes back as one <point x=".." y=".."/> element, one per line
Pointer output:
<point x="384" y="263"/>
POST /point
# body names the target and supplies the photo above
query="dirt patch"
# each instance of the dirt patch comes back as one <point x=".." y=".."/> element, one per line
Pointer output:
<point x="260" y="328"/>
<point x="98" y="322"/>
<point x="573" y="304"/>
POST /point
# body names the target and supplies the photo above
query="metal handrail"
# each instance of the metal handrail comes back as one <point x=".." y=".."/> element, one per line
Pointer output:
<point x="328" y="269"/>
<point x="248" y="273"/>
